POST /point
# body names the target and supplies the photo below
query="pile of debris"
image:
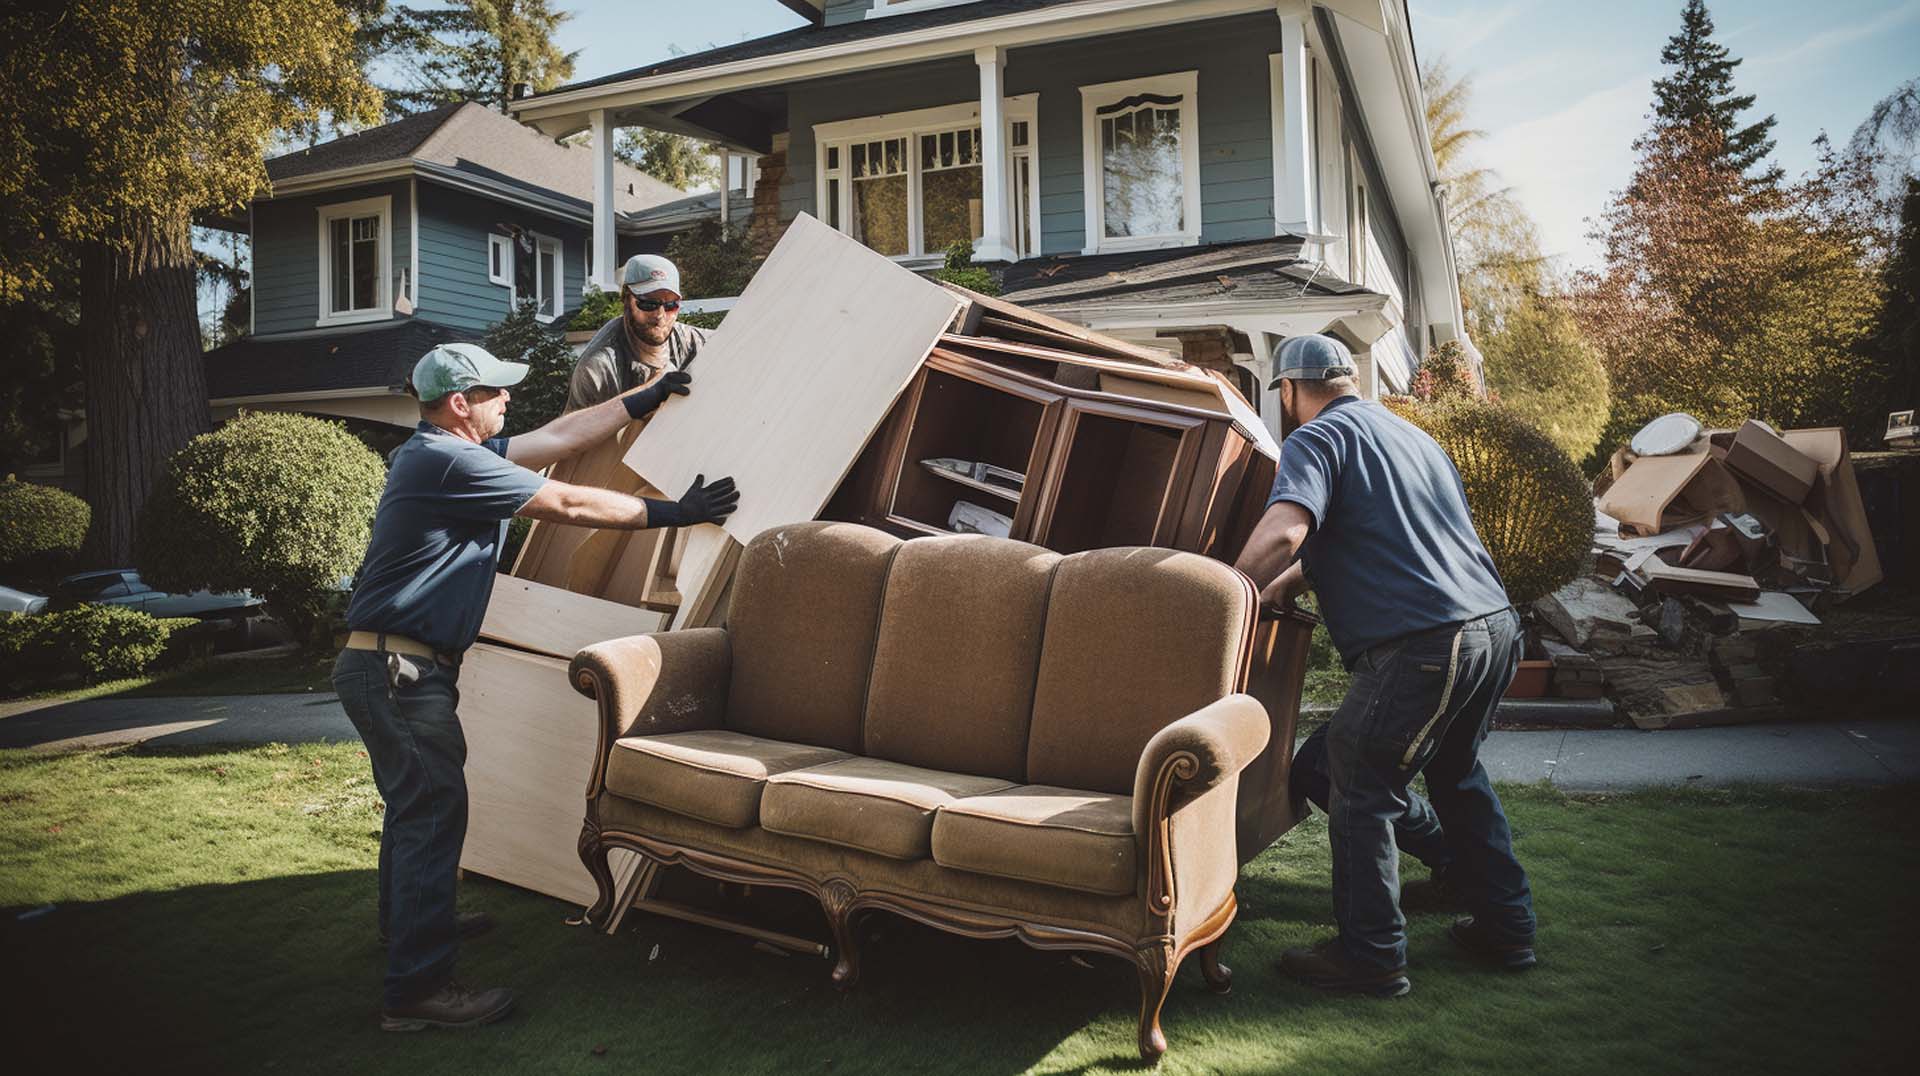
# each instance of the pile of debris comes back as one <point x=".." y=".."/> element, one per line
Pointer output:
<point x="1716" y="554"/>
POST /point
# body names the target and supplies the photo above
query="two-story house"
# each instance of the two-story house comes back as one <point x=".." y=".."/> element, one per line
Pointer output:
<point x="372" y="248"/>
<point x="1217" y="173"/>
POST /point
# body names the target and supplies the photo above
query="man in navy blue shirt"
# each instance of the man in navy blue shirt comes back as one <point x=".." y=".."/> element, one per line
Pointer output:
<point x="1369" y="513"/>
<point x="417" y="604"/>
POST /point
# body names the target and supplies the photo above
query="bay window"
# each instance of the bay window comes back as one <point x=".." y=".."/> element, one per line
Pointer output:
<point x="911" y="184"/>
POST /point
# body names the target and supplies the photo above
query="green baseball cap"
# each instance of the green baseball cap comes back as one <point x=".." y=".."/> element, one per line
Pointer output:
<point x="458" y="367"/>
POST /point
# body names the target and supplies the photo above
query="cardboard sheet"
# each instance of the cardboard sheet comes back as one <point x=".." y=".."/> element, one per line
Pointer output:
<point x="1659" y="493"/>
<point x="791" y="385"/>
<point x="1775" y="606"/>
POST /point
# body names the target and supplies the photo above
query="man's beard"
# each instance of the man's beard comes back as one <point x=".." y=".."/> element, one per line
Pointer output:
<point x="650" y="334"/>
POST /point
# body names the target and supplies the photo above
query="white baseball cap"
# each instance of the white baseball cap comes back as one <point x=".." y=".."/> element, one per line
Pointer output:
<point x="647" y="273"/>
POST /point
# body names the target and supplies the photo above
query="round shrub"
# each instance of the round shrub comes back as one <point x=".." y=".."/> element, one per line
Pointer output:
<point x="278" y="504"/>
<point x="97" y="642"/>
<point x="1530" y="505"/>
<point x="40" y="527"/>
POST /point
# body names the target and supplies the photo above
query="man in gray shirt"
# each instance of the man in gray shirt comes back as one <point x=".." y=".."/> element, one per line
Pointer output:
<point x="1368" y="511"/>
<point x="645" y="339"/>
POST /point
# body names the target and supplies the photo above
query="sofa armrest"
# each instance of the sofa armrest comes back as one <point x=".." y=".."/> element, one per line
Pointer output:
<point x="659" y="683"/>
<point x="1201" y="750"/>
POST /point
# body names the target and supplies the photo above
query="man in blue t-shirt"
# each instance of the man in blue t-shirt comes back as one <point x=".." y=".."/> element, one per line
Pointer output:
<point x="1369" y="513"/>
<point x="417" y="604"/>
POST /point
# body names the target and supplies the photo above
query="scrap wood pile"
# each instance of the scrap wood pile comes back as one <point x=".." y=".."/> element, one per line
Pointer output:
<point x="1716" y="555"/>
<point x="843" y="387"/>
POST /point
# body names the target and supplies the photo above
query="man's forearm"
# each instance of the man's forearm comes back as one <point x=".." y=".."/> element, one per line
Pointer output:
<point x="586" y="506"/>
<point x="1289" y="585"/>
<point x="568" y="435"/>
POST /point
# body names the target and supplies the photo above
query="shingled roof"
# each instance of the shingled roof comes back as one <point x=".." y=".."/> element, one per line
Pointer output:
<point x="479" y="142"/>
<point x="807" y="37"/>
<point x="1252" y="271"/>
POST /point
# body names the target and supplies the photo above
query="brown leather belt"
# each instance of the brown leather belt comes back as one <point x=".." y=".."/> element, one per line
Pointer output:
<point x="384" y="642"/>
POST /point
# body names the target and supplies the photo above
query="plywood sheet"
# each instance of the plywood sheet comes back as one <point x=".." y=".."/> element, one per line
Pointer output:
<point x="794" y="381"/>
<point x="531" y="741"/>
<point x="555" y="622"/>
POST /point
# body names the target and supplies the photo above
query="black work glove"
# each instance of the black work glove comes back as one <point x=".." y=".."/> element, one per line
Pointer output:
<point x="702" y="503"/>
<point x="646" y="401"/>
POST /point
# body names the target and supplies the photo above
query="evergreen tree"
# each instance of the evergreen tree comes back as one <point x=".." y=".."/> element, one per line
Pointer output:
<point x="1895" y="345"/>
<point x="474" y="50"/>
<point x="1700" y="90"/>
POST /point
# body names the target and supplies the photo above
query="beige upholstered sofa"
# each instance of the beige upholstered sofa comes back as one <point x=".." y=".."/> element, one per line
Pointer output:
<point x="972" y="732"/>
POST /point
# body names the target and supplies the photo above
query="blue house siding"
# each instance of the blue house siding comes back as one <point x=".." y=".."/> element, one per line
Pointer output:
<point x="839" y="11"/>
<point x="1235" y="101"/>
<point x="286" y="253"/>
<point x="454" y="225"/>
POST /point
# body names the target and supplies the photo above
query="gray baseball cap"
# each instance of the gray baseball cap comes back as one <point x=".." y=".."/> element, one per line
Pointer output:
<point x="1315" y="357"/>
<point x="458" y="367"/>
<point x="645" y="274"/>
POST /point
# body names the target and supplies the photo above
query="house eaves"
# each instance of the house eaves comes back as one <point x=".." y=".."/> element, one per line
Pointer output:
<point x="875" y="43"/>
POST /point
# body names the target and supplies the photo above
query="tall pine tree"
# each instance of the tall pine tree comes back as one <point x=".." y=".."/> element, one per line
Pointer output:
<point x="475" y="50"/>
<point x="1700" y="90"/>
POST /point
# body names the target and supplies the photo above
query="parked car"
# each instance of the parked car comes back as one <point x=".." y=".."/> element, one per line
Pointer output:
<point x="123" y="586"/>
<point x="19" y="601"/>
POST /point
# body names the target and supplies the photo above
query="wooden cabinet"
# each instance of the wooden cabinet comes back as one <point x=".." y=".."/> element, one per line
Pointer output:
<point x="1091" y="468"/>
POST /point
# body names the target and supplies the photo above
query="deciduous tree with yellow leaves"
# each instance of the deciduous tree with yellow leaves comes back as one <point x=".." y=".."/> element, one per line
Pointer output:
<point x="125" y="118"/>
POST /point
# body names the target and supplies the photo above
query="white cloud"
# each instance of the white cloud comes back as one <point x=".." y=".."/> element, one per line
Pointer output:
<point x="1460" y="33"/>
<point x="1807" y="48"/>
<point x="1563" y="165"/>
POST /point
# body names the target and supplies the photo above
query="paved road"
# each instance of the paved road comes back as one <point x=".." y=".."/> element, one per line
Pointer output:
<point x="1828" y="754"/>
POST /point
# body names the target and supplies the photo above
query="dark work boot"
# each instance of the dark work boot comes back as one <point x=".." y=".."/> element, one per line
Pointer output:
<point x="465" y="925"/>
<point x="1491" y="947"/>
<point x="1327" y="967"/>
<point x="452" y="1005"/>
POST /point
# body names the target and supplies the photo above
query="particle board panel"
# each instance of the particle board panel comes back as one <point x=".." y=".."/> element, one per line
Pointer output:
<point x="558" y="623"/>
<point x="531" y="741"/>
<point x="796" y="379"/>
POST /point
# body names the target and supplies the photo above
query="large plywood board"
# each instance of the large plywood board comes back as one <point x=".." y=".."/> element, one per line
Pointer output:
<point x="799" y="375"/>
<point x="558" y="623"/>
<point x="531" y="741"/>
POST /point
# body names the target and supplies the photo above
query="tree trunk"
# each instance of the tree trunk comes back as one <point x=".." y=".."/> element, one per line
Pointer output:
<point x="146" y="385"/>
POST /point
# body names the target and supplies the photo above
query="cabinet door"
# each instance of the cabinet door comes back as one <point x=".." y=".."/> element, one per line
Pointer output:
<point x="1118" y="475"/>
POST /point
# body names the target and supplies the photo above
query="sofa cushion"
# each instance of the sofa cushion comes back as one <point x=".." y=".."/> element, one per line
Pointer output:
<point x="1136" y="640"/>
<point x="866" y="803"/>
<point x="713" y="775"/>
<point x="803" y="616"/>
<point x="959" y="641"/>
<point x="1038" y="833"/>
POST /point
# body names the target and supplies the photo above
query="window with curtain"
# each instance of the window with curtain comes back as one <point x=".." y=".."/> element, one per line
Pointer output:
<point x="1141" y="178"/>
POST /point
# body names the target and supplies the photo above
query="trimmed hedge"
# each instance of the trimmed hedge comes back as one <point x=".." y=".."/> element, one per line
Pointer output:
<point x="1530" y="505"/>
<point x="40" y="526"/>
<point x="278" y="504"/>
<point x="95" y="642"/>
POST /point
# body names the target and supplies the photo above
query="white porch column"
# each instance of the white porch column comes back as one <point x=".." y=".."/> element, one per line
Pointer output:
<point x="992" y="246"/>
<point x="726" y="188"/>
<point x="1293" y="168"/>
<point x="604" y="272"/>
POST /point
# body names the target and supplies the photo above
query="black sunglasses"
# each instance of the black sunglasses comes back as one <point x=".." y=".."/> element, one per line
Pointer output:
<point x="650" y="305"/>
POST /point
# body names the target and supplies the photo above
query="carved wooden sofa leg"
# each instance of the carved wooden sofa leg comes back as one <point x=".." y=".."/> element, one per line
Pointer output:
<point x="837" y="900"/>
<point x="593" y="853"/>
<point x="1219" y="977"/>
<point x="1156" y="967"/>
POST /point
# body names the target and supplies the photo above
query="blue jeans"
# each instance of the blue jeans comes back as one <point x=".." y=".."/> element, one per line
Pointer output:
<point x="1418" y="833"/>
<point x="1422" y="703"/>
<point x="403" y="707"/>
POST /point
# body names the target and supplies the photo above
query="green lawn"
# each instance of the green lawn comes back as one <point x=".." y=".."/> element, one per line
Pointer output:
<point x="288" y="673"/>
<point x="214" y="912"/>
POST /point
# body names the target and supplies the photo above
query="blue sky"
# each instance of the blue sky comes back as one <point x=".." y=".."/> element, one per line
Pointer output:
<point x="1562" y="86"/>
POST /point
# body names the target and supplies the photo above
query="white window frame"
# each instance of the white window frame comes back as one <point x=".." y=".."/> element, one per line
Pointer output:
<point x="1359" y="227"/>
<point x="842" y="134"/>
<point x="382" y="310"/>
<point x="1185" y="84"/>
<point x="541" y="242"/>
<point x="500" y="248"/>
